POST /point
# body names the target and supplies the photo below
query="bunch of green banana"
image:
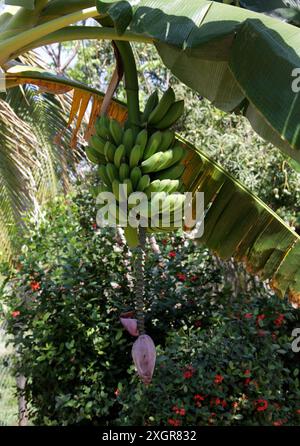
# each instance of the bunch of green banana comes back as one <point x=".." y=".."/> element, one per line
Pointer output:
<point x="163" y="113"/>
<point x="150" y="161"/>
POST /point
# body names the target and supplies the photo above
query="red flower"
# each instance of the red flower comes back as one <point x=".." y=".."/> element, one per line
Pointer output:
<point x="15" y="313"/>
<point x="194" y="278"/>
<point x="235" y="404"/>
<point x="94" y="226"/>
<point x="188" y="373"/>
<point x="181" y="277"/>
<point x="197" y="323"/>
<point x="164" y="241"/>
<point x="248" y="315"/>
<point x="279" y="321"/>
<point x="179" y="411"/>
<point x="173" y="422"/>
<point x="198" y="397"/>
<point x="298" y="411"/>
<point x="247" y="381"/>
<point x="35" y="286"/>
<point x="218" y="402"/>
<point x="117" y="392"/>
<point x="172" y="254"/>
<point x="247" y="372"/>
<point x="261" y="405"/>
<point x="278" y="423"/>
<point x="218" y="379"/>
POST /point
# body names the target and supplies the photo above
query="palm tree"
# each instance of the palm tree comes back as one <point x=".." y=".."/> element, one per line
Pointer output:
<point x="241" y="60"/>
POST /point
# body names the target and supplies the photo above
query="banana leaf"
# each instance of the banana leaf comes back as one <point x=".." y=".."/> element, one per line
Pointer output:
<point x="238" y="224"/>
<point x="287" y="10"/>
<point x="240" y="60"/>
<point x="27" y="4"/>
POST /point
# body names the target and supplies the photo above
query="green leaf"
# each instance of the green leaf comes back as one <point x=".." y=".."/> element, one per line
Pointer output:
<point x="119" y="12"/>
<point x="27" y="4"/>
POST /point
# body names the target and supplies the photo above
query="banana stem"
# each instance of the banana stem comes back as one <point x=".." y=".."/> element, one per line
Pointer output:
<point x="139" y="288"/>
<point x="131" y="83"/>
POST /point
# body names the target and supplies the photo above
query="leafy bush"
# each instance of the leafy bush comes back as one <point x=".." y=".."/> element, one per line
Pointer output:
<point x="223" y="359"/>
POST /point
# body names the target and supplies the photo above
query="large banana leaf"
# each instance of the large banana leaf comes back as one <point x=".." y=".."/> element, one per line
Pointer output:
<point x="287" y="10"/>
<point x="240" y="60"/>
<point x="237" y="223"/>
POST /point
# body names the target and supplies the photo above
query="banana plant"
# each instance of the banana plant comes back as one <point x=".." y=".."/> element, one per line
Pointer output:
<point x="242" y="61"/>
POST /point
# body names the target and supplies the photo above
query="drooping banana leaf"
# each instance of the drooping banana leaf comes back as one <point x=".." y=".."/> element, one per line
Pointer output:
<point x="238" y="224"/>
<point x="287" y="10"/>
<point x="82" y="94"/>
<point x="240" y="60"/>
<point x="27" y="4"/>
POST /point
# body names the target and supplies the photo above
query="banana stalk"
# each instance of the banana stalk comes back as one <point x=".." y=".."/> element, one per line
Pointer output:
<point x="139" y="272"/>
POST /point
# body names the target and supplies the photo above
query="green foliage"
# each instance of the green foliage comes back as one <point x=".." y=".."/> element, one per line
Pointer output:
<point x="64" y="300"/>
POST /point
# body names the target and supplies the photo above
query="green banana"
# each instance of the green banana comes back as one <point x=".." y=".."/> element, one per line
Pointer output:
<point x="162" y="160"/>
<point x="97" y="143"/>
<point x="103" y="175"/>
<point x="172" y="156"/>
<point x="135" y="176"/>
<point x="168" y="186"/>
<point x="128" y="141"/>
<point x="112" y="172"/>
<point x="167" y="139"/>
<point x="115" y="188"/>
<point x="119" y="155"/>
<point x="162" y="108"/>
<point x="128" y="182"/>
<point x="141" y="139"/>
<point x="131" y="235"/>
<point x="153" y="145"/>
<point x="172" y="173"/>
<point x="124" y="171"/>
<point x="109" y="151"/>
<point x="174" y="113"/>
<point x="150" y="105"/>
<point x="135" y="155"/>
<point x="116" y="131"/>
<point x="102" y="127"/>
<point x="171" y="186"/>
<point x="153" y="164"/>
<point x="143" y="183"/>
<point x="94" y="156"/>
